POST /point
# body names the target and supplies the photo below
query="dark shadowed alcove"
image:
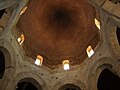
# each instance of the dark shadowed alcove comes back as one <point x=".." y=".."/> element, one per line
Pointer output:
<point x="28" y="84"/>
<point x="1" y="13"/>
<point x="108" y="81"/>
<point x="118" y="34"/>
<point x="2" y="64"/>
<point x="69" y="87"/>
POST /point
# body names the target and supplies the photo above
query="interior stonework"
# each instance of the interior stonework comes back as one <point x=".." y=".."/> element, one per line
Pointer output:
<point x="58" y="30"/>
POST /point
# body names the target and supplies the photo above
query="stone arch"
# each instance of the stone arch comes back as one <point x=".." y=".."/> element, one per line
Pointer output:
<point x="5" y="16"/>
<point x="5" y="3"/>
<point x="15" y="7"/>
<point x="114" y="40"/>
<point x="65" y="81"/>
<point x="69" y="87"/>
<point x="96" y="70"/>
<point x="30" y="77"/>
<point x="8" y="53"/>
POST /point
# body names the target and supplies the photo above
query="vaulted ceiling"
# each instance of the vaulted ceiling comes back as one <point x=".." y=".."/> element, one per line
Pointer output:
<point x="59" y="30"/>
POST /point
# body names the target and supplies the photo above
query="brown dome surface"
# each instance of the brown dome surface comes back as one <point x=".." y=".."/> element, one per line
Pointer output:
<point x="58" y="30"/>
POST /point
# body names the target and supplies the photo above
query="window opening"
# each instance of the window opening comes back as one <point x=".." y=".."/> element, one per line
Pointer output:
<point x="66" y="65"/>
<point x="39" y="60"/>
<point x="89" y="51"/>
<point x="21" y="39"/>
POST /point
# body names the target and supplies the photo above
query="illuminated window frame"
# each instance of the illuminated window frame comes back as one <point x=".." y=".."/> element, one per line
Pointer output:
<point x="97" y="23"/>
<point x="89" y="51"/>
<point x="66" y="65"/>
<point x="21" y="39"/>
<point x="39" y="60"/>
<point x="23" y="10"/>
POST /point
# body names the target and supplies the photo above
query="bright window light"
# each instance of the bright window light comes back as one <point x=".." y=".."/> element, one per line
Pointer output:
<point x="97" y="23"/>
<point x="89" y="51"/>
<point x="39" y="60"/>
<point x="23" y="10"/>
<point x="66" y="65"/>
<point x="21" y="39"/>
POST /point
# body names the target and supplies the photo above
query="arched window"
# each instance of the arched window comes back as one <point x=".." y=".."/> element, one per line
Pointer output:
<point x="66" y="65"/>
<point x="97" y="23"/>
<point x="39" y="60"/>
<point x="89" y="51"/>
<point x="108" y="81"/>
<point x="2" y="64"/>
<point x="23" y="10"/>
<point x="21" y="39"/>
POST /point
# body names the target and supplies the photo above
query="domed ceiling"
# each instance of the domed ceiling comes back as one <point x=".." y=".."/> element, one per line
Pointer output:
<point x="59" y="30"/>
